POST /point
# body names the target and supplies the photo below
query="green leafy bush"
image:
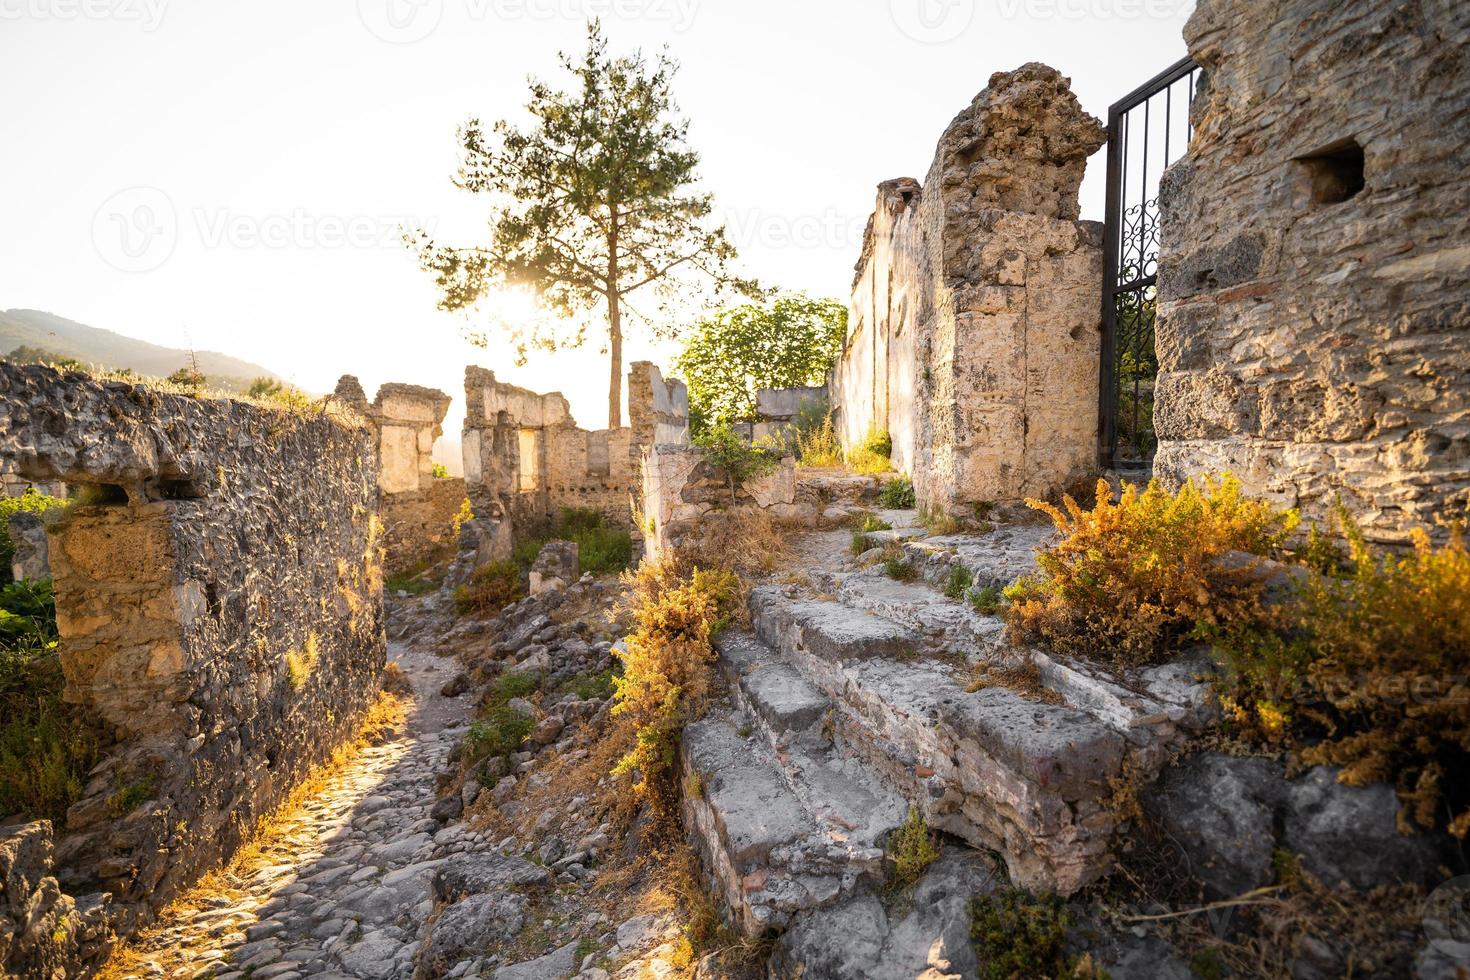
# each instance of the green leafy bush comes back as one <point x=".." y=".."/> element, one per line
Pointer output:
<point x="501" y="729"/>
<point x="897" y="565"/>
<point x="960" y="580"/>
<point x="30" y="502"/>
<point x="897" y="494"/>
<point x="600" y="549"/>
<point x="737" y="459"/>
<point x="1017" y="935"/>
<point x="911" y="850"/>
<point x="986" y="600"/>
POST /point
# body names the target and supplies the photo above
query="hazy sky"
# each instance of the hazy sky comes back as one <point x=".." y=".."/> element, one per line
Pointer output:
<point x="232" y="174"/>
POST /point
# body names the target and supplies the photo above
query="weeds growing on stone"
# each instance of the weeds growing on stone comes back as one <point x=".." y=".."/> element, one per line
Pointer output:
<point x="897" y="566"/>
<point x="818" y="446"/>
<point x="1024" y="678"/>
<point x="129" y="797"/>
<point x="873" y="454"/>
<point x="589" y="686"/>
<point x="30" y="502"/>
<point x="1134" y="576"/>
<point x="1017" y="934"/>
<point x="501" y="729"/>
<point x="987" y="601"/>
<point x="959" y="581"/>
<point x="911" y="850"/>
<point x="897" y="493"/>
<point x="600" y="549"/>
<point x="490" y="589"/>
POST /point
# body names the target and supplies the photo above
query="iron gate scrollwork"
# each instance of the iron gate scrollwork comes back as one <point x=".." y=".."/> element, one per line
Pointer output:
<point x="1147" y="130"/>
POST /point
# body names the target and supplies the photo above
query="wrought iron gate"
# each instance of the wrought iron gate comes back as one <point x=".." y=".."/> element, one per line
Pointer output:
<point x="1148" y="129"/>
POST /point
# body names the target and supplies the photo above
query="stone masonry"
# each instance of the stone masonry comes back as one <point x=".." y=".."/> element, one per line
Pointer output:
<point x="525" y="458"/>
<point x="974" y="338"/>
<point x="1314" y="285"/>
<point x="220" y="608"/>
<point x="417" y="510"/>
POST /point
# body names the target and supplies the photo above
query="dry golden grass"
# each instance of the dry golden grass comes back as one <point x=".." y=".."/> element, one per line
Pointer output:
<point x="383" y="720"/>
<point x="1024" y="678"/>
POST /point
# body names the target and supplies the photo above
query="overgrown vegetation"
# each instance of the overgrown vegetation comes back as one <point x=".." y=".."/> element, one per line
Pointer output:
<point x="490" y="589"/>
<point x="1017" y="934"/>
<point x="675" y="612"/>
<point x="911" y="850"/>
<point x="277" y="392"/>
<point x="986" y="600"/>
<point x="959" y="581"/>
<point x="501" y="729"/>
<point x="873" y="454"/>
<point x="1367" y="670"/>
<point x="737" y="459"/>
<point x="897" y="493"/>
<point x="817" y="445"/>
<point x="30" y="502"/>
<point x="1023" y="677"/>
<point x="897" y="566"/>
<point x="865" y="525"/>
<point x="47" y="747"/>
<point x="1135" y="575"/>
<point x="601" y="549"/>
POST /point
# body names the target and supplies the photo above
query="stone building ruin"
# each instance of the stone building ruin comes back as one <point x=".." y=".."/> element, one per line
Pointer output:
<point x="417" y="508"/>
<point x="1314" y="284"/>
<point x="973" y="336"/>
<point x="219" y="599"/>
<point x="525" y="457"/>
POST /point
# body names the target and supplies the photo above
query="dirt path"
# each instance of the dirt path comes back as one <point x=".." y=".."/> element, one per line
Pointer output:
<point x="341" y="887"/>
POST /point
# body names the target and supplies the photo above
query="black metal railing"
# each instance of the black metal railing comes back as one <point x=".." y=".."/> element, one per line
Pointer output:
<point x="1148" y="129"/>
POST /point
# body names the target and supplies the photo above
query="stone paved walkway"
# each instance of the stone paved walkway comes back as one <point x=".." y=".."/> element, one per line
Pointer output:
<point x="342" y="889"/>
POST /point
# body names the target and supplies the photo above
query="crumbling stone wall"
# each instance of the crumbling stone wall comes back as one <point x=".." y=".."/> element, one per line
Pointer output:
<point x="44" y="932"/>
<point x="974" y="333"/>
<point x="418" y="511"/>
<point x="220" y="609"/>
<point x="525" y="458"/>
<point x="680" y="487"/>
<point x="1314" y="283"/>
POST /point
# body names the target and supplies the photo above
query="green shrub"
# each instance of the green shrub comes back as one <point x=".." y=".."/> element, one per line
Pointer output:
<point x="872" y="522"/>
<point x="589" y="686"/>
<point x="30" y="502"/>
<point x="897" y="566"/>
<point x="859" y="542"/>
<point x="897" y="493"/>
<point x="501" y="729"/>
<point x="47" y="747"/>
<point x="737" y="459"/>
<point x="817" y="446"/>
<point x="986" y="600"/>
<point x="600" y="549"/>
<point x="1017" y="934"/>
<point x="960" y="579"/>
<point x="490" y="589"/>
<point x="911" y="850"/>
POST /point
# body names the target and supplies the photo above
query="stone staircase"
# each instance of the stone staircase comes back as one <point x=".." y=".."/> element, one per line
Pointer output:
<point x="848" y="704"/>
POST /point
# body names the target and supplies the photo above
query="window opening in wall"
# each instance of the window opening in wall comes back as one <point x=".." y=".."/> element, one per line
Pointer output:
<point x="530" y="460"/>
<point x="1335" y="173"/>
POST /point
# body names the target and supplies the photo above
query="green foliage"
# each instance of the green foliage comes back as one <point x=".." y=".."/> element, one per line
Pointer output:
<point x="490" y="589"/>
<point x="897" y="493"/>
<point x="188" y="380"/>
<point x="30" y="502"/>
<point x="501" y="729"/>
<point x="595" y="201"/>
<point x="414" y="582"/>
<point x="911" y="850"/>
<point x="440" y="471"/>
<point x="129" y="797"/>
<point x="47" y="747"/>
<point x="589" y="686"/>
<point x="734" y="457"/>
<point x="600" y="549"/>
<point x="1366" y="670"/>
<point x="25" y="354"/>
<point x="787" y="343"/>
<point x="960" y="580"/>
<point x="897" y="566"/>
<point x="1018" y="935"/>
<point x="872" y="522"/>
<point x="273" y="391"/>
<point x="986" y="600"/>
<point x="1133" y="577"/>
<point x="859" y="542"/>
<point x="872" y="455"/>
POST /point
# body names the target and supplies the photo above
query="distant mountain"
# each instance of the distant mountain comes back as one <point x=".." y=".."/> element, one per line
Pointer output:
<point x="106" y="349"/>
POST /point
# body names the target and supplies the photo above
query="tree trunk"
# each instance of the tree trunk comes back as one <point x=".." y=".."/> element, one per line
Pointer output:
<point x="615" y="352"/>
<point x="614" y="326"/>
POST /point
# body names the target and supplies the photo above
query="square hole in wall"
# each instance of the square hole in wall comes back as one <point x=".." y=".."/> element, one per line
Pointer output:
<point x="1334" y="173"/>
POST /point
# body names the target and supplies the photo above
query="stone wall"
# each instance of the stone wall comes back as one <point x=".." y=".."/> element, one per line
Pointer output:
<point x="1314" y="286"/>
<point x="974" y="333"/>
<point x="680" y="488"/>
<point x="220" y="609"/>
<point x="418" y="511"/>
<point x="44" y="932"/>
<point x="525" y="458"/>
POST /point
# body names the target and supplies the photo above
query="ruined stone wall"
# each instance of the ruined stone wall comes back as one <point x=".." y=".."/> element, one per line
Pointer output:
<point x="220" y="609"/>
<point x="1314" y="285"/>
<point x="973" y="338"/>
<point x="525" y="458"/>
<point x="417" y="510"/>
<point x="680" y="488"/>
